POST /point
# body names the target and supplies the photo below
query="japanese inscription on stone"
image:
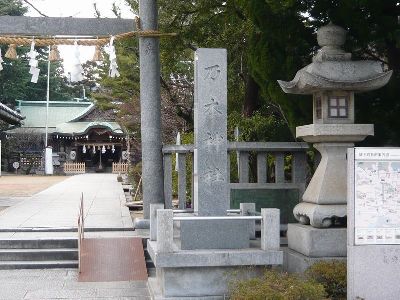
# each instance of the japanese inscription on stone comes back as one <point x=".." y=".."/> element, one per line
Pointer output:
<point x="211" y="190"/>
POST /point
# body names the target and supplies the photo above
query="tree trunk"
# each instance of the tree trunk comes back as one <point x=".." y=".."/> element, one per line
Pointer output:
<point x="251" y="98"/>
<point x="393" y="54"/>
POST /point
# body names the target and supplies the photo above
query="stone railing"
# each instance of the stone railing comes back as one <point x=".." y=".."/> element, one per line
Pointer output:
<point x="162" y="227"/>
<point x="258" y="151"/>
<point x="120" y="168"/>
<point x="74" y="168"/>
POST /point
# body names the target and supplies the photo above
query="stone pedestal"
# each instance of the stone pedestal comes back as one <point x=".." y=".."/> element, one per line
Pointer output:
<point x="205" y="274"/>
<point x="307" y="245"/>
<point x="324" y="201"/>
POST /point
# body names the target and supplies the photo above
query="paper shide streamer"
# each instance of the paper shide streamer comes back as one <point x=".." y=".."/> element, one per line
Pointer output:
<point x="1" y="61"/>
<point x="77" y="70"/>
<point x="113" y="72"/>
<point x="33" y="63"/>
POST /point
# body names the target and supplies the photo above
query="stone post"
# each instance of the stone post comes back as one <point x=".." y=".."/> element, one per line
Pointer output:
<point x="210" y="123"/>
<point x="270" y="229"/>
<point x="247" y="209"/>
<point x="150" y="107"/>
<point x="165" y="230"/>
<point x="211" y="180"/>
<point x="153" y="220"/>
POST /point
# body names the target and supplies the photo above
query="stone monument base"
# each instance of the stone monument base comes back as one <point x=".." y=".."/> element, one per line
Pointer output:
<point x="307" y="245"/>
<point x="205" y="274"/>
<point x="207" y="235"/>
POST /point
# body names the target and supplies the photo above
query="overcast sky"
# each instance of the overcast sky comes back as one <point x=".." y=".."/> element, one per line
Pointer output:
<point x="77" y="9"/>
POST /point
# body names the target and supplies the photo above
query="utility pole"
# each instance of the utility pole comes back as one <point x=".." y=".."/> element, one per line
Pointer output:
<point x="150" y="106"/>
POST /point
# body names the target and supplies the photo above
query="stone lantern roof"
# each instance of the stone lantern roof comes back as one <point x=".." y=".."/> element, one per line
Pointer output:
<point x="333" y="69"/>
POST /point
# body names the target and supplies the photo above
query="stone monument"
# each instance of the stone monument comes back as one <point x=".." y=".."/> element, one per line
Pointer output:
<point x="211" y="188"/>
<point x="333" y="79"/>
<point x="213" y="248"/>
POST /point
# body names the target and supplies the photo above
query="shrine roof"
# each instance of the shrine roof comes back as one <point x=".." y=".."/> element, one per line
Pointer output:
<point x="80" y="128"/>
<point x="59" y="112"/>
<point x="9" y="115"/>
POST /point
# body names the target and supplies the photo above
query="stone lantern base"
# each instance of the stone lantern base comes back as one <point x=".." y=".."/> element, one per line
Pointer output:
<point x="324" y="205"/>
<point x="308" y="245"/>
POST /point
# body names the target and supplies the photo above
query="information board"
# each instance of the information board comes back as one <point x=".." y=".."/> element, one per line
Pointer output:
<point x="377" y="196"/>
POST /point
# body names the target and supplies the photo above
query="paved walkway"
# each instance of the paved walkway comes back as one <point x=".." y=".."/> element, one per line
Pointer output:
<point x="57" y="206"/>
<point x="63" y="284"/>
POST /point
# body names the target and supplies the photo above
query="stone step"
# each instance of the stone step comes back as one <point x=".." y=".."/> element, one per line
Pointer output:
<point x="53" y="243"/>
<point x="38" y="254"/>
<point x="149" y="263"/>
<point x="46" y="264"/>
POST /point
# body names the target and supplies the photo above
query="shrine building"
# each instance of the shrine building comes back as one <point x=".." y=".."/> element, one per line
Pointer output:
<point x="78" y="132"/>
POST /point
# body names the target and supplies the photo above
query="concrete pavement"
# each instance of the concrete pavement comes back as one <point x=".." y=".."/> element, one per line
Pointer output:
<point x="54" y="211"/>
<point x="57" y="206"/>
<point x="63" y="284"/>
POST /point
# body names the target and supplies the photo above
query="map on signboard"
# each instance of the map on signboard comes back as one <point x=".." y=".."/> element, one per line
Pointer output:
<point x="377" y="196"/>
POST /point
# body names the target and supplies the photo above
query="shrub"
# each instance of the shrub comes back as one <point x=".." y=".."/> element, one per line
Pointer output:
<point x="332" y="275"/>
<point x="277" y="286"/>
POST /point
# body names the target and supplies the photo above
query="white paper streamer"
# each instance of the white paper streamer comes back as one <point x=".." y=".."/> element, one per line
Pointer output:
<point x="1" y="61"/>
<point x="77" y="70"/>
<point x="178" y="142"/>
<point x="113" y="72"/>
<point x="33" y="63"/>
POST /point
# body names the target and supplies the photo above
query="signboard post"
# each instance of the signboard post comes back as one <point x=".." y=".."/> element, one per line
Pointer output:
<point x="16" y="166"/>
<point x="373" y="229"/>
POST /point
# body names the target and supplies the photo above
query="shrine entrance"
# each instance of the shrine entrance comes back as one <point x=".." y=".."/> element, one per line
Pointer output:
<point x="50" y="31"/>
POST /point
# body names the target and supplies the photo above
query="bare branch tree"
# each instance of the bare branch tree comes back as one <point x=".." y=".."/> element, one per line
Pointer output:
<point x="34" y="7"/>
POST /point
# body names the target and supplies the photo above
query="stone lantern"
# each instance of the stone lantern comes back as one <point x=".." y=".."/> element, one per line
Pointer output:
<point x="332" y="79"/>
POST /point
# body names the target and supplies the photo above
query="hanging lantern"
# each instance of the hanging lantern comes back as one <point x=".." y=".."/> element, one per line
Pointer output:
<point x="11" y="52"/>
<point x="98" y="56"/>
<point x="112" y="149"/>
<point x="54" y="54"/>
<point x="84" y="149"/>
<point x="103" y="149"/>
<point x="94" y="149"/>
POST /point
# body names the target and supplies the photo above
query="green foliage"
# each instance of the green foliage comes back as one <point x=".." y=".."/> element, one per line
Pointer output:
<point x="12" y="8"/>
<point x="332" y="275"/>
<point x="15" y="78"/>
<point x="283" y="42"/>
<point x="259" y="127"/>
<point x="277" y="286"/>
